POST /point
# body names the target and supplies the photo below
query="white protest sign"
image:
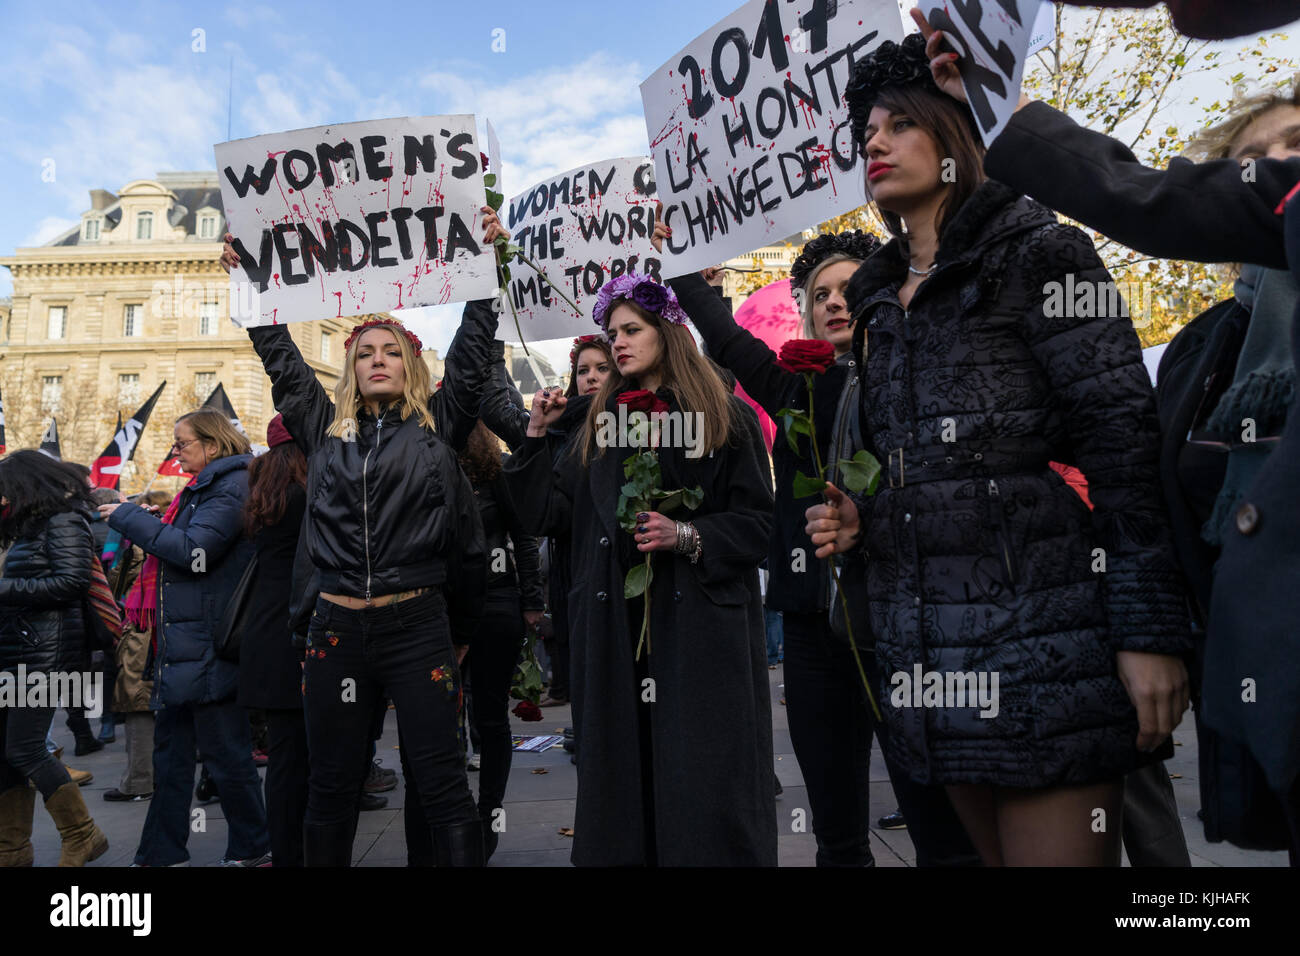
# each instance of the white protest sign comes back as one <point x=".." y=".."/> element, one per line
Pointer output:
<point x="494" y="156"/>
<point x="1043" y="32"/>
<point x="993" y="40"/>
<point x="359" y="217"/>
<point x="749" y="130"/>
<point x="583" y="228"/>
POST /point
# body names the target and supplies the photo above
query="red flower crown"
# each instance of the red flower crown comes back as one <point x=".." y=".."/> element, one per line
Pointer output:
<point x="388" y="324"/>
<point x="579" y="342"/>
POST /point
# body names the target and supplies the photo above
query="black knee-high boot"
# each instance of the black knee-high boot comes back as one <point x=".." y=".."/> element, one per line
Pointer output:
<point x="460" y="845"/>
<point x="328" y="844"/>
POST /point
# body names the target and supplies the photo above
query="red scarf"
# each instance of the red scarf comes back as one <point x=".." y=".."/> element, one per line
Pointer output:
<point x="142" y="602"/>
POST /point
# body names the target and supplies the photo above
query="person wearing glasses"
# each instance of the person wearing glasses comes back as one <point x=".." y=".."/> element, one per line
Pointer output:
<point x="195" y="554"/>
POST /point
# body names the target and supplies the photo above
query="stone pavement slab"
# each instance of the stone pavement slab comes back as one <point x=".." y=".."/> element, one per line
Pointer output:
<point x="538" y="805"/>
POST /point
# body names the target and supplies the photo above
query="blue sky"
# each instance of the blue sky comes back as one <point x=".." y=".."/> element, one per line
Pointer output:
<point x="116" y="91"/>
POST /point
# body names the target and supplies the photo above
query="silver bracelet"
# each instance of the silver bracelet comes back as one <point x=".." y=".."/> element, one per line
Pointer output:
<point x="682" y="537"/>
<point x="696" y="548"/>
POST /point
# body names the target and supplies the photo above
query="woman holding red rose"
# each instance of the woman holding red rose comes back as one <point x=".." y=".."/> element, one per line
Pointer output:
<point x="830" y="719"/>
<point x="675" y="763"/>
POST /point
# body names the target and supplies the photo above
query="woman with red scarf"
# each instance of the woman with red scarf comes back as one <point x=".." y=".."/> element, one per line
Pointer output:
<point x="195" y="556"/>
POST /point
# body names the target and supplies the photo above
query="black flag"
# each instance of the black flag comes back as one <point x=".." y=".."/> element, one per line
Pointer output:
<point x="50" y="440"/>
<point x="221" y="403"/>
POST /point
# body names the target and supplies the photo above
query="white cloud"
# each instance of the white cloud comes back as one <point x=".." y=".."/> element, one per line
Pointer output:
<point x="47" y="229"/>
<point x="555" y="119"/>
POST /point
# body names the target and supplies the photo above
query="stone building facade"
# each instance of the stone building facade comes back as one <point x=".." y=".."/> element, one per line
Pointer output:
<point x="133" y="296"/>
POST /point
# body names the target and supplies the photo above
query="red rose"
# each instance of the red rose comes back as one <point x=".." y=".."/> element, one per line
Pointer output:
<point x="643" y="401"/>
<point x="484" y="159"/>
<point x="527" y="710"/>
<point x="806" y="355"/>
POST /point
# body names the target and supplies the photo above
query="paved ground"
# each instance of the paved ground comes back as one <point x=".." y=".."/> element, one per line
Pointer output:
<point x="538" y="805"/>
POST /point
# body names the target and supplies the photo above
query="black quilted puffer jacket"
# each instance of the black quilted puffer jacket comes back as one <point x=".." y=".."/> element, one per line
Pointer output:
<point x="46" y="578"/>
<point x="981" y="560"/>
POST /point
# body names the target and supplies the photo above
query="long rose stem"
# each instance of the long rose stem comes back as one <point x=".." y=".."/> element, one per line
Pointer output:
<point x="542" y="272"/>
<point x="844" y="603"/>
<point x="645" y="614"/>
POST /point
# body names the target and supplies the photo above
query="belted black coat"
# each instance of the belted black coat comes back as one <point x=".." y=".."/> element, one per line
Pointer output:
<point x="981" y="560"/>
<point x="711" y="720"/>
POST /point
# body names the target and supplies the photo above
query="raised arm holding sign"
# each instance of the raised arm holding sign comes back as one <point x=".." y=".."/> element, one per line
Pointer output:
<point x="362" y="217"/>
<point x="992" y="42"/>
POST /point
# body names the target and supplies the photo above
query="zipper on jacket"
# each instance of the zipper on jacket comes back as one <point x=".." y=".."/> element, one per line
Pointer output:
<point x="1004" y="537"/>
<point x="365" y="501"/>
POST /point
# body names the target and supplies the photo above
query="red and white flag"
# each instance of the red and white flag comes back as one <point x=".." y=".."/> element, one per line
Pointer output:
<point x="106" y="471"/>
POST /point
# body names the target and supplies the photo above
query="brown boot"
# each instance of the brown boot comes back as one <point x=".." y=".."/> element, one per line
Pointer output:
<point x="82" y="840"/>
<point x="16" y="807"/>
<point x="79" y="777"/>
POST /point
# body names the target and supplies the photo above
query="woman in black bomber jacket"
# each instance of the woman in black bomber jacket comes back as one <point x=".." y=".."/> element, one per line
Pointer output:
<point x="982" y="562"/>
<point x="397" y="540"/>
<point x="45" y="509"/>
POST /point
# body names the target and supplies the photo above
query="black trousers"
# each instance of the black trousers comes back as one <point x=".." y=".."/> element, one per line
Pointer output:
<point x="831" y="726"/>
<point x="287" y="773"/>
<point x="489" y="668"/>
<point x="402" y="651"/>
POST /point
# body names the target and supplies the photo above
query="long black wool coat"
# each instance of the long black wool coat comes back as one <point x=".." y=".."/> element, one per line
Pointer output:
<point x="981" y="560"/>
<point x="711" y="721"/>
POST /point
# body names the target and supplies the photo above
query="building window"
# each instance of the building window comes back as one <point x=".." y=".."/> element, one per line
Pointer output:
<point x="324" y="346"/>
<point x="208" y="227"/>
<point x="208" y="318"/>
<point x="132" y="323"/>
<point x="128" y="389"/>
<point x="90" y="231"/>
<point x="204" y="383"/>
<point x="144" y="225"/>
<point x="51" y="393"/>
<point x="58" y="321"/>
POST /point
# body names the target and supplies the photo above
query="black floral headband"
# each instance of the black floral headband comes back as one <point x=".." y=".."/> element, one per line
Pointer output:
<point x="856" y="245"/>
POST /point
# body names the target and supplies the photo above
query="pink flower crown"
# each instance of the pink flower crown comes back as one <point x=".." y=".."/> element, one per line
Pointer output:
<point x="387" y="324"/>
<point x="645" y="292"/>
<point x="579" y="342"/>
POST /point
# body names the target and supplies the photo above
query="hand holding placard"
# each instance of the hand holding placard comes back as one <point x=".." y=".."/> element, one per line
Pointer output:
<point x="992" y="40"/>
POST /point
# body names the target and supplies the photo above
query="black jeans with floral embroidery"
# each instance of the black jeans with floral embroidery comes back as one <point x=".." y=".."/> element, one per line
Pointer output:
<point x="401" y="651"/>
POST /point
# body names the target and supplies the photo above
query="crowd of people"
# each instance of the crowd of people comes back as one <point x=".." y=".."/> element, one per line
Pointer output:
<point x="386" y="548"/>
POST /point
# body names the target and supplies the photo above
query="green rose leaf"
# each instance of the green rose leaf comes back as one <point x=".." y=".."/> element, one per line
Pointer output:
<point x="489" y="180"/>
<point x="670" y="501"/>
<point x="861" y="472"/>
<point x="805" y="487"/>
<point x="692" y="498"/>
<point x="637" y="580"/>
<point x="495" y="199"/>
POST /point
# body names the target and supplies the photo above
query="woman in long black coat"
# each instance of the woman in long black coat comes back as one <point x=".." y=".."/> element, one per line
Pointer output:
<point x="1063" y="627"/>
<point x="675" y="767"/>
<point x="270" y="672"/>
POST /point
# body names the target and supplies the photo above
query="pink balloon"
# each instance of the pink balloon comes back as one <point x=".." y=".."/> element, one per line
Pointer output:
<point x="770" y="314"/>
